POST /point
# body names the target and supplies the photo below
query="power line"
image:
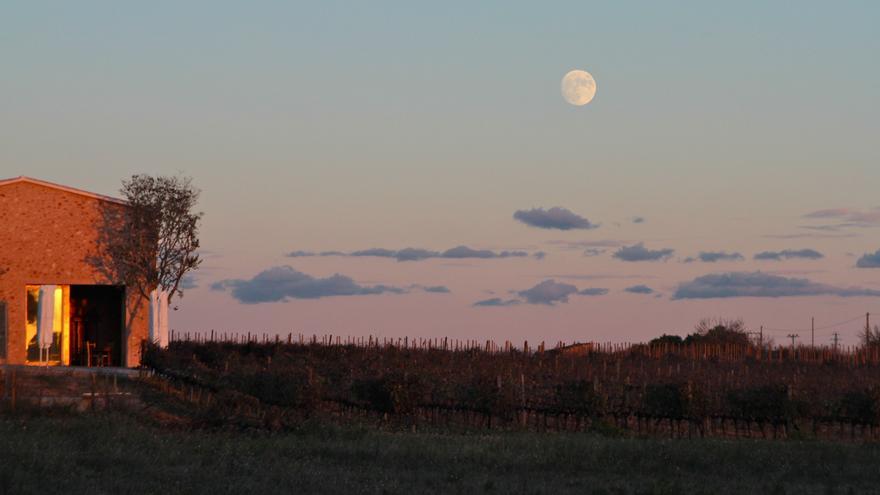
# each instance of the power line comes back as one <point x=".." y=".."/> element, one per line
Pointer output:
<point x="840" y="323"/>
<point x="783" y="330"/>
<point x="773" y="329"/>
<point x="824" y="327"/>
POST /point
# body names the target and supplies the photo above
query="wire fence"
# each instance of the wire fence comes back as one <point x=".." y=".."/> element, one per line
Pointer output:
<point x="766" y="333"/>
<point x="854" y="355"/>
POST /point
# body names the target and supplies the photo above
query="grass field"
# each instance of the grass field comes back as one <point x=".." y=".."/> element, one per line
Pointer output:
<point x="112" y="453"/>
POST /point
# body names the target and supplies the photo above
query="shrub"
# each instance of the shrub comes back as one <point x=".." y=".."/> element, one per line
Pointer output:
<point x="397" y="393"/>
<point x="485" y="395"/>
<point x="578" y="397"/>
<point x="765" y="403"/>
<point x="861" y="406"/>
<point x="665" y="401"/>
<point x="293" y="388"/>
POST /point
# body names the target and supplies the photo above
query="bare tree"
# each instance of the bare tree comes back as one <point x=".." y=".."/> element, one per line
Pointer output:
<point x="719" y="331"/>
<point x="871" y="338"/>
<point x="706" y="325"/>
<point x="152" y="241"/>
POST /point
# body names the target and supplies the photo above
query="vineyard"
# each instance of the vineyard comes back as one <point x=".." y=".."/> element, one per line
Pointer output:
<point x="659" y="390"/>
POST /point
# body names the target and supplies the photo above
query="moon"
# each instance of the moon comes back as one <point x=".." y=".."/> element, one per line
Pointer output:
<point x="578" y="87"/>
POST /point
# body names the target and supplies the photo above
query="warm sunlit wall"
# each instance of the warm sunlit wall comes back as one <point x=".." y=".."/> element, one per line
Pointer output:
<point x="46" y="235"/>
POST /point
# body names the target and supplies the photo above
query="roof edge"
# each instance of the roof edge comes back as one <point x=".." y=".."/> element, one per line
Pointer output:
<point x="52" y="185"/>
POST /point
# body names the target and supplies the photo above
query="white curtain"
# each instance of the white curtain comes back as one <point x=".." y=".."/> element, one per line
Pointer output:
<point x="159" y="318"/>
<point x="46" y="316"/>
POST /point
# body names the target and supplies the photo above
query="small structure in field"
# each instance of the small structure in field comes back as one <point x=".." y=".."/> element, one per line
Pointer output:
<point x="576" y="349"/>
<point x="49" y="238"/>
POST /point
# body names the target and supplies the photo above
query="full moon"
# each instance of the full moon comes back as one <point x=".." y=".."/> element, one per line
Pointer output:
<point x="578" y="87"/>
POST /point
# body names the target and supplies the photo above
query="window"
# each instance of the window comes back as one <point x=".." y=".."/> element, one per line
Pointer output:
<point x="33" y="348"/>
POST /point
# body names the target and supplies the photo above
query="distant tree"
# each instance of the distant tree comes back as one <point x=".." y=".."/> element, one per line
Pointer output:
<point x="153" y="241"/>
<point x="666" y="339"/>
<point x="719" y="331"/>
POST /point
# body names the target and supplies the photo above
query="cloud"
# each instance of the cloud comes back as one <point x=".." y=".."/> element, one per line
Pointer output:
<point x="590" y="252"/>
<point x="439" y="289"/>
<point x="848" y="215"/>
<point x="824" y="230"/>
<point x="639" y="289"/>
<point x="496" y="301"/>
<point x="593" y="291"/>
<point x="795" y="272"/>
<point x="810" y="254"/>
<point x="299" y="254"/>
<point x="638" y="252"/>
<point x="599" y="276"/>
<point x="414" y="254"/>
<point x="845" y="217"/>
<point x="638" y="220"/>
<point x="539" y="255"/>
<point x="188" y="282"/>
<point x="281" y="283"/>
<point x="869" y="260"/>
<point x="759" y="284"/>
<point x="812" y="235"/>
<point x="377" y="252"/>
<point x="573" y="245"/>
<point x="548" y="292"/>
<point x="554" y="218"/>
<point x="306" y="254"/>
<point x="418" y="254"/>
<point x="714" y="256"/>
<point x="435" y="289"/>
<point x="829" y="213"/>
<point x="466" y="252"/>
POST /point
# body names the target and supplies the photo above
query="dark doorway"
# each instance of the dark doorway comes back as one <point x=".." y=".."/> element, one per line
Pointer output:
<point x="96" y="325"/>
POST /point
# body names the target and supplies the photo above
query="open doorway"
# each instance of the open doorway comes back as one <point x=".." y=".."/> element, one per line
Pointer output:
<point x="96" y="323"/>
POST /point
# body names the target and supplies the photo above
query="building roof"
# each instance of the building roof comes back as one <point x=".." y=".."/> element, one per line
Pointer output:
<point x="30" y="180"/>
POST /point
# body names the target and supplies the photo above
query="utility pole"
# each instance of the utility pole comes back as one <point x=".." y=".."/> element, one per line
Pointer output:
<point x="867" y="329"/>
<point x="836" y="340"/>
<point x="792" y="336"/>
<point x="760" y="335"/>
<point x="813" y="331"/>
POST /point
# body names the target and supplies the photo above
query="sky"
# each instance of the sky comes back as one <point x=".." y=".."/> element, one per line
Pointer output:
<point x="435" y="135"/>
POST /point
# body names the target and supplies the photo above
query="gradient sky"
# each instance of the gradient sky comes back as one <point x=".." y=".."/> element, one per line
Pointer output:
<point x="346" y="126"/>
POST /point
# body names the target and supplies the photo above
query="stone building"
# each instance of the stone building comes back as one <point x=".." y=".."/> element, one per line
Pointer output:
<point x="49" y="244"/>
